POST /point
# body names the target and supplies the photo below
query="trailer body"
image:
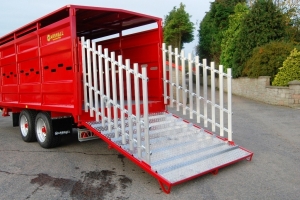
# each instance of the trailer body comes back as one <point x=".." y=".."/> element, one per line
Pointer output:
<point x="105" y="72"/>
<point x="41" y="63"/>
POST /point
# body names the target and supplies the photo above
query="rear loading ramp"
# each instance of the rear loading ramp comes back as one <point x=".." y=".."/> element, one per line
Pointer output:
<point x="169" y="148"/>
<point x="180" y="151"/>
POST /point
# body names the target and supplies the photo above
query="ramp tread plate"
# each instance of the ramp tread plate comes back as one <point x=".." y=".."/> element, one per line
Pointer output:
<point x="179" y="150"/>
<point x="186" y="171"/>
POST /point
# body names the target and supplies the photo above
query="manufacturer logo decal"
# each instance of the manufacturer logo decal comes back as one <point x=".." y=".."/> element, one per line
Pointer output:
<point x="55" y="36"/>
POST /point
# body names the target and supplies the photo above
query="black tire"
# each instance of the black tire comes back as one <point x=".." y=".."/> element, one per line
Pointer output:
<point x="44" y="131"/>
<point x="27" y="125"/>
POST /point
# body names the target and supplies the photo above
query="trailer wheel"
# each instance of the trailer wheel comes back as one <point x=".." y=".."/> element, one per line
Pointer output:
<point x="44" y="131"/>
<point x="27" y="124"/>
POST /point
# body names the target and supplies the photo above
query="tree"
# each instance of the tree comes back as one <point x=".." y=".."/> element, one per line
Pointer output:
<point x="206" y="34"/>
<point x="291" y="9"/>
<point x="228" y="44"/>
<point x="263" y="23"/>
<point x="212" y="27"/>
<point x="283" y="4"/>
<point x="178" y="28"/>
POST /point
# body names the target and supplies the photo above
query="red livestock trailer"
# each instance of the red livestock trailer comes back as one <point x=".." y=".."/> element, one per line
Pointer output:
<point x="104" y="71"/>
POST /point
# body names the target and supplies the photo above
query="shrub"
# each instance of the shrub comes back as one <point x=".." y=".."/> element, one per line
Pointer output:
<point x="267" y="59"/>
<point x="290" y="70"/>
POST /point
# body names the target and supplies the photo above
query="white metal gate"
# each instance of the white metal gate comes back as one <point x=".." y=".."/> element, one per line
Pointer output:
<point x="98" y="100"/>
<point x="198" y="105"/>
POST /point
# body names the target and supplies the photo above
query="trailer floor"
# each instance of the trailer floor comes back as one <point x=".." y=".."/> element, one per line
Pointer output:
<point x="180" y="151"/>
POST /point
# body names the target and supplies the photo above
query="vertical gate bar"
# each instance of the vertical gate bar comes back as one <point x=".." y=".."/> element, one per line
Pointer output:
<point x="170" y="76"/>
<point x="164" y="72"/>
<point x="205" y="91"/>
<point x="183" y="83"/>
<point x="101" y="84"/>
<point x="146" y="112"/>
<point x="229" y="104"/>
<point x="137" y="109"/>
<point x="107" y="82"/>
<point x="129" y="103"/>
<point x="96" y="95"/>
<point x="114" y="88"/>
<point x="191" y="102"/>
<point x="213" y="97"/>
<point x="121" y="99"/>
<point x="198" y="88"/>
<point x="221" y="90"/>
<point x="177" y="78"/>
<point x="91" y="104"/>
<point x="84" y="72"/>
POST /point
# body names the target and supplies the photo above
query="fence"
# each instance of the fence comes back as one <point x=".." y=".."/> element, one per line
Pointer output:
<point x="186" y="88"/>
<point x="98" y="68"/>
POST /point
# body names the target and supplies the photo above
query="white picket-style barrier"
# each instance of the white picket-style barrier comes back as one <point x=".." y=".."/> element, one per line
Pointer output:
<point x="97" y="91"/>
<point x="202" y="102"/>
<point x="105" y="100"/>
<point x="179" y="150"/>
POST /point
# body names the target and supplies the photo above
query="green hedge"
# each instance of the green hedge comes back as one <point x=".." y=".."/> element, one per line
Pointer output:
<point x="290" y="70"/>
<point x="267" y="59"/>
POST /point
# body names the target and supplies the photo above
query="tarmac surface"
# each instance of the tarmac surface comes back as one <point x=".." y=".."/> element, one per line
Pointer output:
<point x="90" y="170"/>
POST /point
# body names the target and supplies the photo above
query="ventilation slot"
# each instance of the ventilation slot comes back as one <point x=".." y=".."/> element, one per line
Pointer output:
<point x="69" y="68"/>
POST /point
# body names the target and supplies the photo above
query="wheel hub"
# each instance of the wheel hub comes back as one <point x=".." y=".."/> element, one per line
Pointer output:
<point x="41" y="130"/>
<point x="24" y="125"/>
<point x="44" y="131"/>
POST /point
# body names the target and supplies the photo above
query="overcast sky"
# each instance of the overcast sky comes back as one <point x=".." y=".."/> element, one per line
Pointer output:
<point x="16" y="13"/>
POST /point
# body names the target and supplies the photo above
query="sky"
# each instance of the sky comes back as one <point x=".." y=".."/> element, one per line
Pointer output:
<point x="16" y="13"/>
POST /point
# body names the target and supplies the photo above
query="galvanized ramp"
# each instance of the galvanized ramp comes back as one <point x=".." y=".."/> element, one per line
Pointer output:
<point x="179" y="150"/>
<point x="167" y="147"/>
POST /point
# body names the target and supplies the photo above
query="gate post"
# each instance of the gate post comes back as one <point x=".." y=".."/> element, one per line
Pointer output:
<point x="146" y="112"/>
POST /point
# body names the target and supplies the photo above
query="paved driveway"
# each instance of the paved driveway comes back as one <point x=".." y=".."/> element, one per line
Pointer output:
<point x="91" y="171"/>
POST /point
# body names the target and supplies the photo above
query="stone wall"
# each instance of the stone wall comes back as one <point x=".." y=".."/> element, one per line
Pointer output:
<point x="259" y="89"/>
<point x="256" y="88"/>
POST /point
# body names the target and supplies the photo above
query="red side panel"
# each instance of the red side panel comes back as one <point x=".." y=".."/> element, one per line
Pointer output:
<point x="37" y="69"/>
<point x="57" y="65"/>
<point x="28" y="69"/>
<point x="141" y="48"/>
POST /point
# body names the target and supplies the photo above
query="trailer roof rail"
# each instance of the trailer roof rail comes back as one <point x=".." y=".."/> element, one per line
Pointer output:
<point x="108" y="21"/>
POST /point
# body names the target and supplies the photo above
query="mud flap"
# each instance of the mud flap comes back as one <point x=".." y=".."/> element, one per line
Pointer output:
<point x="15" y="119"/>
<point x="62" y="126"/>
